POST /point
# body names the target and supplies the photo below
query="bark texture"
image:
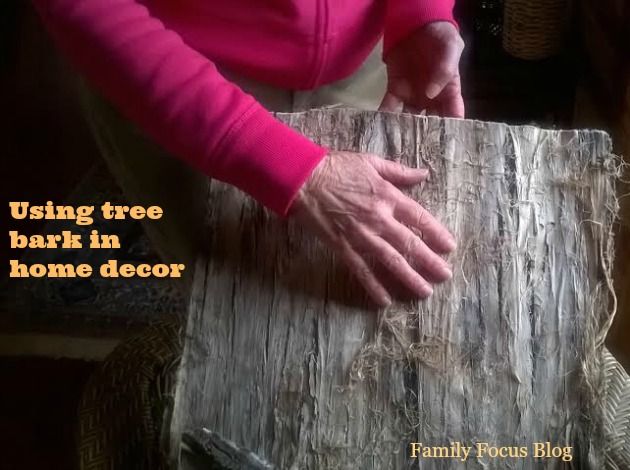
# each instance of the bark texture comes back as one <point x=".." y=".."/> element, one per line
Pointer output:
<point x="284" y="357"/>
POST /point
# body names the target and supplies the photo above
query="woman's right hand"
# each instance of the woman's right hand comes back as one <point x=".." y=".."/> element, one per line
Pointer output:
<point x="352" y="202"/>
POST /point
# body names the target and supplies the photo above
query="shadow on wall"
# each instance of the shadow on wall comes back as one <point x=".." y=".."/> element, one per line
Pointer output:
<point x="46" y="144"/>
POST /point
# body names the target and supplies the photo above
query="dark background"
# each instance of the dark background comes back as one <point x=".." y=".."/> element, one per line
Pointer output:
<point x="46" y="357"/>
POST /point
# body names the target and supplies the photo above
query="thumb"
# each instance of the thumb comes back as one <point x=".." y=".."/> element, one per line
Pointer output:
<point x="443" y="71"/>
<point x="396" y="173"/>
<point x="391" y="103"/>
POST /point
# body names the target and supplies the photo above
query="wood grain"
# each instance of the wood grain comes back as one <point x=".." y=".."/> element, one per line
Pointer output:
<point x="284" y="356"/>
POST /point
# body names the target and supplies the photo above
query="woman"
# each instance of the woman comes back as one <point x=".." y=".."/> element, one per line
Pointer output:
<point x="164" y="63"/>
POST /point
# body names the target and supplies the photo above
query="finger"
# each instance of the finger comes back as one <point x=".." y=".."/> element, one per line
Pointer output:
<point x="453" y="106"/>
<point x="435" y="235"/>
<point x="434" y="110"/>
<point x="391" y="103"/>
<point x="420" y="256"/>
<point x="444" y="71"/>
<point x="397" y="265"/>
<point x="401" y="88"/>
<point x="413" y="101"/>
<point x="437" y="108"/>
<point x="365" y="275"/>
<point x="412" y="109"/>
<point x="396" y="173"/>
<point x="353" y="260"/>
<point x="450" y="102"/>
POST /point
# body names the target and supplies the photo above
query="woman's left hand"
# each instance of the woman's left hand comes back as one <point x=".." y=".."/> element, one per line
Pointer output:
<point x="423" y="72"/>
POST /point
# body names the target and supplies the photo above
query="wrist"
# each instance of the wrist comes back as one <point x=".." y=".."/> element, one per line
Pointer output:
<point x="309" y="187"/>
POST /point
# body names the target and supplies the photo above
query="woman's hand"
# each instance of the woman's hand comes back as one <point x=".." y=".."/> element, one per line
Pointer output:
<point x="353" y="204"/>
<point x="423" y="72"/>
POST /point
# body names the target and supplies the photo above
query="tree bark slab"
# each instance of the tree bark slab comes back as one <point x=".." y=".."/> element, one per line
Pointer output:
<point x="284" y="356"/>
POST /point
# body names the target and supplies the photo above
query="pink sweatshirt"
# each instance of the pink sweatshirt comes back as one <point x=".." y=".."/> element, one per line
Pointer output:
<point x="154" y="59"/>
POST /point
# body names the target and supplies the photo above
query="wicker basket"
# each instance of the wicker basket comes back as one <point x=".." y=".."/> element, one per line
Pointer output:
<point x="535" y="29"/>
<point x="125" y="408"/>
<point x="616" y="413"/>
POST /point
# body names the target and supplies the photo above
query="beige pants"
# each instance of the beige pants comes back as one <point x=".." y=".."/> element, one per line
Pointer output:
<point x="149" y="176"/>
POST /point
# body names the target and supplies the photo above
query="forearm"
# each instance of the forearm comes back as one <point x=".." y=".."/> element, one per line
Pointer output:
<point x="178" y="97"/>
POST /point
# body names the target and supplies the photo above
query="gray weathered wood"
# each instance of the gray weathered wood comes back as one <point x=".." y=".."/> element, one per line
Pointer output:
<point x="284" y="357"/>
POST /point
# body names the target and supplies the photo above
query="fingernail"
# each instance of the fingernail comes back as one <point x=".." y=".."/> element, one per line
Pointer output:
<point x="426" y="291"/>
<point x="446" y="273"/>
<point x="386" y="301"/>
<point x="423" y="289"/>
<point x="433" y="90"/>
<point x="451" y="244"/>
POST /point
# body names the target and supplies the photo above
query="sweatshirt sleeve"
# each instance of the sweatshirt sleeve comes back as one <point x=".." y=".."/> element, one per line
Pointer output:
<point x="402" y="17"/>
<point x="177" y="96"/>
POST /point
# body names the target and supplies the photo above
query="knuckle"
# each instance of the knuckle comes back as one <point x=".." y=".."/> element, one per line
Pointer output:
<point x="392" y="195"/>
<point x="420" y="218"/>
<point x="457" y="41"/>
<point x="377" y="209"/>
<point x="446" y="70"/>
<point x="395" y="261"/>
<point x="412" y="244"/>
<point x="363" y="274"/>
